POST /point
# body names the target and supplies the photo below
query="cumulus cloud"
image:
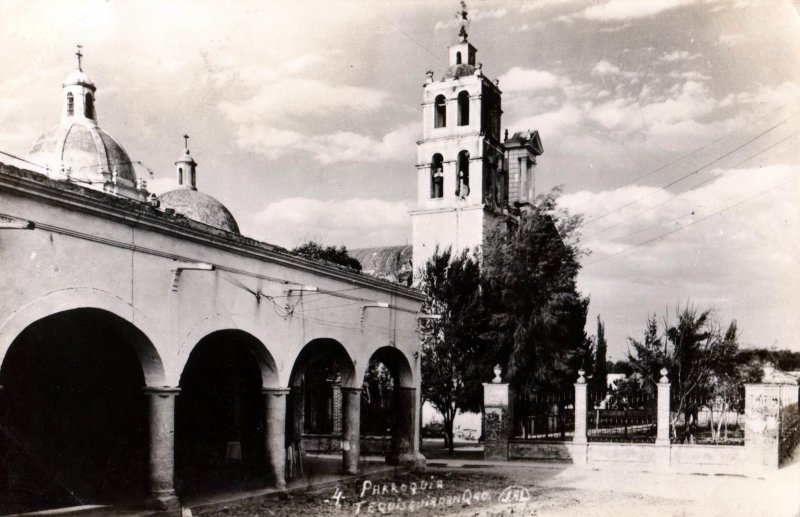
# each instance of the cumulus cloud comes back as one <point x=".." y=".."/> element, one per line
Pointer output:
<point x="336" y="147"/>
<point x="738" y="261"/>
<point x="603" y="67"/>
<point x="617" y="10"/>
<point x="301" y="97"/>
<point x="354" y="222"/>
<point x="521" y="79"/>
<point x="678" y="55"/>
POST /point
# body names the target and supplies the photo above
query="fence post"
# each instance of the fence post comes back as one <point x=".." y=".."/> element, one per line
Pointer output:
<point x="662" y="421"/>
<point x="498" y="425"/>
<point x="580" y="445"/>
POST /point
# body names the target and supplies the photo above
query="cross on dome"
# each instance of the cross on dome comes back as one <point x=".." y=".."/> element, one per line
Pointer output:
<point x="80" y="55"/>
<point x="186" y="141"/>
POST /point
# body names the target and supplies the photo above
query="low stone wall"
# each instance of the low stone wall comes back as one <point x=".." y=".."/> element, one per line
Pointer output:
<point x="322" y="443"/>
<point x="771" y="424"/>
<point x="540" y="451"/>
<point x="332" y="444"/>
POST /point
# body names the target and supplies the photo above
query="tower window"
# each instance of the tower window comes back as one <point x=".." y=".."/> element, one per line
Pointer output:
<point x="180" y="175"/>
<point x="458" y="58"/>
<point x="437" y="177"/>
<point x="70" y="105"/>
<point x="88" y="109"/>
<point x="441" y="112"/>
<point x="194" y="179"/>
<point x="463" y="109"/>
<point x="462" y="178"/>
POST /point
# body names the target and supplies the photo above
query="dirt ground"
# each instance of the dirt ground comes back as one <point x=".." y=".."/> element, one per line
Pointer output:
<point x="523" y="491"/>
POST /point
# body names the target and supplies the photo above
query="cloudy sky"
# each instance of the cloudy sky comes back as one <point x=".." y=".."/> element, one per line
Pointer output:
<point x="672" y="125"/>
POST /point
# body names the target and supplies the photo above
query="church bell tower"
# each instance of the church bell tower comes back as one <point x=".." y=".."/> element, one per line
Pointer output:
<point x="462" y="186"/>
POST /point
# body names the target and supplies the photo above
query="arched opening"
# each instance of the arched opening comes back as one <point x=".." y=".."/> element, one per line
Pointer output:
<point x="463" y="109"/>
<point x="388" y="407"/>
<point x="458" y="58"/>
<point x="180" y="175"/>
<point x="74" y="416"/>
<point x="70" y="105"/>
<point x="316" y="425"/>
<point x="88" y="108"/>
<point x="437" y="176"/>
<point x="462" y="178"/>
<point x="440" y="117"/>
<point x="220" y="415"/>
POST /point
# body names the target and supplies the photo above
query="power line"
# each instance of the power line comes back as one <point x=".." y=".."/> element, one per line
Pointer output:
<point x="701" y="148"/>
<point x="661" y="236"/>
<point x="694" y="187"/>
<point x="695" y="171"/>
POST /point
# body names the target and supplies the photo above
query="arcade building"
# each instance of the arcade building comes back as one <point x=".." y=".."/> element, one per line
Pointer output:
<point x="149" y="351"/>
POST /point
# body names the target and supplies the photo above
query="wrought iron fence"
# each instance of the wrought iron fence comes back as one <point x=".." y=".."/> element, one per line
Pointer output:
<point x="616" y="418"/>
<point x="544" y="416"/>
<point x="712" y="420"/>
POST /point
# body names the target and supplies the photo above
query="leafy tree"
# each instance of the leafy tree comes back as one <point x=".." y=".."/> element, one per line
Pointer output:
<point x="330" y="253"/>
<point x="648" y="355"/>
<point x="700" y="358"/>
<point x="454" y="351"/>
<point x="623" y="367"/>
<point x="377" y="398"/>
<point x="538" y="316"/>
<point x="600" y="376"/>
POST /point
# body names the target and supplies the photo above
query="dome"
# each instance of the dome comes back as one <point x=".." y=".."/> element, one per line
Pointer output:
<point x="459" y="70"/>
<point x="85" y="153"/>
<point x="200" y="207"/>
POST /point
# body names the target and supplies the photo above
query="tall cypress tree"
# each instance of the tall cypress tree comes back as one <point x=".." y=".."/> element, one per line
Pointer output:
<point x="600" y="377"/>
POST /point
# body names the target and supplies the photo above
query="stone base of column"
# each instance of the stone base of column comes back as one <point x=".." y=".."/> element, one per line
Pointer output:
<point x="663" y="455"/>
<point x="580" y="453"/>
<point x="166" y="502"/>
<point x="413" y="460"/>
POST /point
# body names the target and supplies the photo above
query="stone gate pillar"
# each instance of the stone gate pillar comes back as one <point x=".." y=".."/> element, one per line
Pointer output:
<point x="404" y="444"/>
<point x="351" y="429"/>
<point x="275" y="430"/>
<point x="498" y="418"/>
<point x="663" y="447"/>
<point x="162" y="447"/>
<point x="580" y="444"/>
<point x="762" y="424"/>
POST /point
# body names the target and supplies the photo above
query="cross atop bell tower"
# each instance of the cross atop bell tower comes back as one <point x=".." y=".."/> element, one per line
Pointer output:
<point x="80" y="56"/>
<point x="464" y="15"/>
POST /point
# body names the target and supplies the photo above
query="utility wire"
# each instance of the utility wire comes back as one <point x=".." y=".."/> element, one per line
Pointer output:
<point x="695" y="171"/>
<point x="701" y="148"/>
<point x="661" y="236"/>
<point x="694" y="187"/>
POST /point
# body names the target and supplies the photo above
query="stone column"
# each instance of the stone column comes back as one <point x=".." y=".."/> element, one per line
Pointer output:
<point x="275" y="431"/>
<point x="762" y="405"/>
<point x="580" y="444"/>
<point x="162" y="447"/>
<point x="498" y="423"/>
<point x="351" y="429"/>
<point x="663" y="447"/>
<point x="404" y="444"/>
